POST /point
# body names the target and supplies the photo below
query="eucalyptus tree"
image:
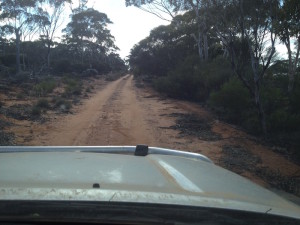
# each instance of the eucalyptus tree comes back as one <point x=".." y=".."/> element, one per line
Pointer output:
<point x="82" y="5"/>
<point x="288" y="30"/>
<point x="16" y="15"/>
<point x="52" y="12"/>
<point x="164" y="48"/>
<point x="247" y="31"/>
<point x="168" y="9"/>
<point x="163" y="9"/>
<point x="88" y="36"/>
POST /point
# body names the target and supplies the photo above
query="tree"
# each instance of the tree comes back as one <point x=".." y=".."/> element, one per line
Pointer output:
<point x="171" y="8"/>
<point x="51" y="11"/>
<point x="288" y="29"/>
<point x="245" y="27"/>
<point x="16" y="14"/>
<point x="165" y="47"/>
<point x="163" y="9"/>
<point x="82" y="5"/>
<point x="88" y="36"/>
<point x="201" y="9"/>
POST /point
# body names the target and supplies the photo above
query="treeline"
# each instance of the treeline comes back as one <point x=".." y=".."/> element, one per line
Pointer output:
<point x="223" y="53"/>
<point x="36" y="41"/>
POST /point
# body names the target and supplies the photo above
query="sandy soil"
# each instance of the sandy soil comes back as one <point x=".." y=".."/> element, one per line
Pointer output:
<point x="120" y="113"/>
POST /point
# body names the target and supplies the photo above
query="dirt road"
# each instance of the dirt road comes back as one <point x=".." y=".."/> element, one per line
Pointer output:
<point x="115" y="115"/>
<point x="120" y="113"/>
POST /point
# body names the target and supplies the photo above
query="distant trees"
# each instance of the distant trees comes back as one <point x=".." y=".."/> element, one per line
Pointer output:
<point x="288" y="30"/>
<point x="86" y="43"/>
<point x="171" y="8"/>
<point x="17" y="14"/>
<point x="165" y="47"/>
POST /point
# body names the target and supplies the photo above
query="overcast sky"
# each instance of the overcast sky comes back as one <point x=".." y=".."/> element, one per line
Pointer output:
<point x="130" y="24"/>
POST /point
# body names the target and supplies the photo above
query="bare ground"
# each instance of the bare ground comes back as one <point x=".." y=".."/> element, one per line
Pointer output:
<point x="120" y="113"/>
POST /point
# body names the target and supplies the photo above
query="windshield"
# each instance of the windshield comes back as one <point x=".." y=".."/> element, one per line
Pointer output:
<point x="219" y="78"/>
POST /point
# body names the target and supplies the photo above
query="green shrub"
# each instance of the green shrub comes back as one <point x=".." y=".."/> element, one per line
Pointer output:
<point x="194" y="80"/>
<point x="20" y="96"/>
<point x="232" y="100"/>
<point x="281" y="121"/>
<point x="73" y="86"/>
<point x="62" y="66"/>
<point x="62" y="104"/>
<point x="36" y="111"/>
<point x="273" y="99"/>
<point x="8" y="60"/>
<point x="73" y="90"/>
<point x="250" y="122"/>
<point x="294" y="99"/>
<point x="20" y="77"/>
<point x="88" y="90"/>
<point x="79" y="67"/>
<point x="43" y="103"/>
<point x="44" y="87"/>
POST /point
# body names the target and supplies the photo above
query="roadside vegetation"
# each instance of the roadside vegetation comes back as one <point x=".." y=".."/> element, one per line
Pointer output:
<point x="45" y="67"/>
<point x="223" y="54"/>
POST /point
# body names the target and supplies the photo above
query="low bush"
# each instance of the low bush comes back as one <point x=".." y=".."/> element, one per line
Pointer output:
<point x="73" y="86"/>
<point x="62" y="104"/>
<point x="20" y="96"/>
<point x="232" y="101"/>
<point x="8" y="60"/>
<point x="88" y="90"/>
<point x="43" y="103"/>
<point x="62" y="66"/>
<point x="79" y="67"/>
<point x="6" y="139"/>
<point x="45" y="87"/>
<point x="193" y="80"/>
<point x="20" y="77"/>
<point x="36" y="111"/>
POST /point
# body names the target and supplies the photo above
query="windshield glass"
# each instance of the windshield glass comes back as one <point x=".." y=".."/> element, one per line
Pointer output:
<point x="219" y="78"/>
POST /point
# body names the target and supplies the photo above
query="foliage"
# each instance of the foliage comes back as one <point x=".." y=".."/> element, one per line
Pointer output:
<point x="63" y="66"/>
<point x="43" y="103"/>
<point x="36" y="111"/>
<point x="19" y="16"/>
<point x="232" y="100"/>
<point x="8" y="60"/>
<point x="73" y="86"/>
<point x="165" y="47"/>
<point x="194" y="81"/>
<point x="87" y="43"/>
<point x="44" y="87"/>
<point x="87" y="33"/>
<point x="62" y="104"/>
<point x="288" y="29"/>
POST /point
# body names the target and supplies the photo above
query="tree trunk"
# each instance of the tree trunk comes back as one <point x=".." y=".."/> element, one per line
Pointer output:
<point x="261" y="112"/>
<point x="199" y="45"/>
<point x="291" y="80"/>
<point x="18" y="63"/>
<point x="291" y="73"/>
<point x="23" y="58"/>
<point x="256" y="92"/>
<point x="205" y="46"/>
<point x="292" y="65"/>
<point x="48" y="54"/>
